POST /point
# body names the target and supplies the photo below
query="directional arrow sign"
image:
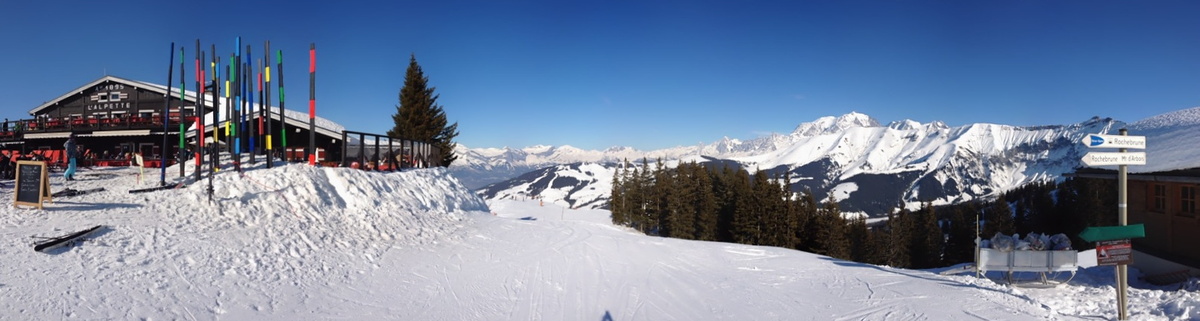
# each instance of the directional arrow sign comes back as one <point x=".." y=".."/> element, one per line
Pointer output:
<point x="1114" y="141"/>
<point x="1109" y="233"/>
<point x="1105" y="159"/>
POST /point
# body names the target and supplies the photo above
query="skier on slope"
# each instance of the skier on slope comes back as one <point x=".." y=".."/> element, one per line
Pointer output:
<point x="71" y="150"/>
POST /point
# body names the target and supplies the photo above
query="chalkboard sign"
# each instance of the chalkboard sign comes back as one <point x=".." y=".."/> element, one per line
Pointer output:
<point x="32" y="185"/>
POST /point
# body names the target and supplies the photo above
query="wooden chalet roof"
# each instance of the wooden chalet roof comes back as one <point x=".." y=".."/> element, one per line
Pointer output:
<point x="77" y="91"/>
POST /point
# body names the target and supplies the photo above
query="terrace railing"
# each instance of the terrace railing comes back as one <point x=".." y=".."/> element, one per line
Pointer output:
<point x="380" y="152"/>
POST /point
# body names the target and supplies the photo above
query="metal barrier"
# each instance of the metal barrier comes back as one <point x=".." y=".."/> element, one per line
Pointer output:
<point x="381" y="152"/>
<point x="1042" y="262"/>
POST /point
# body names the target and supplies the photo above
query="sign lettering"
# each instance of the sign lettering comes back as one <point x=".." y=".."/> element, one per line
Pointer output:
<point x="1114" y="252"/>
<point x="1115" y="141"/>
<point x="1114" y="158"/>
<point x="32" y="184"/>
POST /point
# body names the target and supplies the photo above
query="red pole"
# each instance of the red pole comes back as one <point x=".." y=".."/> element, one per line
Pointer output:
<point x="312" y="104"/>
<point x="199" y="110"/>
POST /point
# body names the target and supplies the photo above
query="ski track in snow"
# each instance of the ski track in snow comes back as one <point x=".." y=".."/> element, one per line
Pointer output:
<point x="298" y="242"/>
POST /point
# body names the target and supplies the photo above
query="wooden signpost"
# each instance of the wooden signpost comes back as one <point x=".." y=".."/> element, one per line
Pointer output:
<point x="32" y="186"/>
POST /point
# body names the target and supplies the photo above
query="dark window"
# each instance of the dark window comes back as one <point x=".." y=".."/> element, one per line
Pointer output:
<point x="1158" y="198"/>
<point x="1187" y="200"/>
<point x="114" y="97"/>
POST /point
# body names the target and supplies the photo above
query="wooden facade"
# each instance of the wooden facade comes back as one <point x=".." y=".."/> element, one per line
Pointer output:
<point x="113" y="119"/>
<point x="1166" y="204"/>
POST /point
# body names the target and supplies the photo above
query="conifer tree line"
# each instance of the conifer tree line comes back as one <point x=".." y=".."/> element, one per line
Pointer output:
<point x="691" y="201"/>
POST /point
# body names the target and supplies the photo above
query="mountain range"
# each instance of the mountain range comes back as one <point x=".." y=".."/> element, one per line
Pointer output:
<point x="868" y="167"/>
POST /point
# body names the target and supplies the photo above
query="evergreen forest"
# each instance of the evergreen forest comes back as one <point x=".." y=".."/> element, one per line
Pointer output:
<point x="699" y="202"/>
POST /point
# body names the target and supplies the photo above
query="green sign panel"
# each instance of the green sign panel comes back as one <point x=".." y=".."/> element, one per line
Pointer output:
<point x="1109" y="233"/>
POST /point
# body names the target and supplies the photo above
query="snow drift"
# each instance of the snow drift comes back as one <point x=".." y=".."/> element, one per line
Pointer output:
<point x="273" y="240"/>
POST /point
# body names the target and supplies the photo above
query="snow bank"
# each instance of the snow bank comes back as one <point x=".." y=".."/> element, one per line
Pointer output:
<point x="270" y="242"/>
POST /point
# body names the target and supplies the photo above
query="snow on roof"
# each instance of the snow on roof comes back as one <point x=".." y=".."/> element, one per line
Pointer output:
<point x="1172" y="141"/>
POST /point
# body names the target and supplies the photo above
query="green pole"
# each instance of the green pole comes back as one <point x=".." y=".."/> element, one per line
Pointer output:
<point x="182" y="129"/>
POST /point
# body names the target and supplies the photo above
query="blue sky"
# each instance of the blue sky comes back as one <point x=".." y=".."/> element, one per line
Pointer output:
<point x="646" y="74"/>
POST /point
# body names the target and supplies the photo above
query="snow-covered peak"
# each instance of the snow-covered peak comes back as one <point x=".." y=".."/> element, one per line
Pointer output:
<point x="830" y="124"/>
<point x="907" y="124"/>
<point x="568" y="149"/>
<point x="937" y="124"/>
<point x="619" y="149"/>
<point x="538" y="149"/>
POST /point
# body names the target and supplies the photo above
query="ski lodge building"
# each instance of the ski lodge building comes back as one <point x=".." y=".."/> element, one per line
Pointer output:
<point x="1166" y="203"/>
<point x="115" y="118"/>
<point x="1162" y="195"/>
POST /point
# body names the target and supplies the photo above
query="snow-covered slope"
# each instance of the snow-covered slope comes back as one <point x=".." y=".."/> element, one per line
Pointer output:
<point x="479" y="167"/>
<point x="302" y="243"/>
<point x="579" y="185"/>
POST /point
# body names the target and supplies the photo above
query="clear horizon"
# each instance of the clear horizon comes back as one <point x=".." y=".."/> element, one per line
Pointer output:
<point x="647" y="75"/>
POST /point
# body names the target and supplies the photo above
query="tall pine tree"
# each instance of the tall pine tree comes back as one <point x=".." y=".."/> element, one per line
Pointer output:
<point x="832" y="234"/>
<point x="926" y="245"/>
<point x="706" y="204"/>
<point x="900" y="227"/>
<point x="960" y="245"/>
<point x="999" y="219"/>
<point x="744" y="224"/>
<point x="616" y="201"/>
<point x="807" y="225"/>
<point x="683" y="216"/>
<point x="420" y="118"/>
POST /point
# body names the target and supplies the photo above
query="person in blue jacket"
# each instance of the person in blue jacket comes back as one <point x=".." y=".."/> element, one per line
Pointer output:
<point x="71" y="151"/>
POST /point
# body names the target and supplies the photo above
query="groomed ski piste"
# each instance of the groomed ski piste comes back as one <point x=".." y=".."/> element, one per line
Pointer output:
<point x="297" y="242"/>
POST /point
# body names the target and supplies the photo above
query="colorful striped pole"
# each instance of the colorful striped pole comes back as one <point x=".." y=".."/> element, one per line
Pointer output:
<point x="257" y="120"/>
<point x="267" y="99"/>
<point x="282" y="110"/>
<point x="162" y="159"/>
<point x="255" y="106"/>
<point x="247" y="97"/>
<point x="234" y="106"/>
<point x="230" y="94"/>
<point x="182" y="128"/>
<point x="248" y="114"/>
<point x="312" y="104"/>
<point x="214" y="155"/>
<point x="235" y="74"/>
<point x="200" y="110"/>
<point x="217" y="96"/>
